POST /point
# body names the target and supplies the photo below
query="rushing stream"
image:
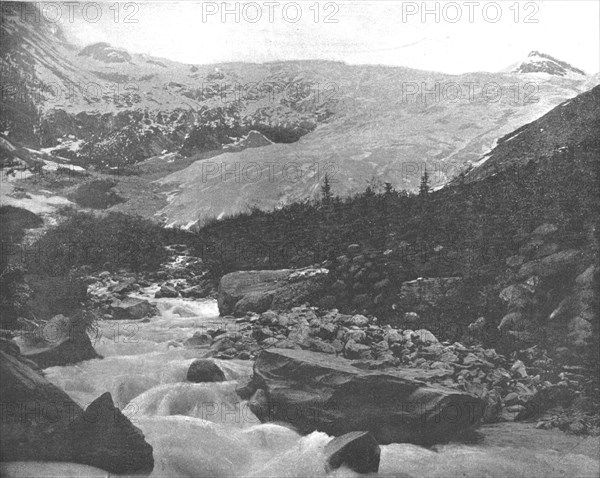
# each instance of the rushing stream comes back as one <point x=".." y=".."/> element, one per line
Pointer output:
<point x="205" y="430"/>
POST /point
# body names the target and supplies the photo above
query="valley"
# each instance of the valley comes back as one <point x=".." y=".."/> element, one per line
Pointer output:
<point x="294" y="268"/>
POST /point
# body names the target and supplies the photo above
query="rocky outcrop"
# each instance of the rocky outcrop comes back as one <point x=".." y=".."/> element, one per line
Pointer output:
<point x="549" y="294"/>
<point x="359" y="451"/>
<point x="259" y="291"/>
<point x="105" y="53"/>
<point x="253" y="139"/>
<point x="42" y="423"/>
<point x="314" y="391"/>
<point x="60" y="341"/>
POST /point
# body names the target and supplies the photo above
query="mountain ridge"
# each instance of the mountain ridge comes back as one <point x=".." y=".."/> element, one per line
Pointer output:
<point x="367" y="122"/>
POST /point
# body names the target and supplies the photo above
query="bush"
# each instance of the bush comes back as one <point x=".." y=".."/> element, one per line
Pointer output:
<point x="15" y="295"/>
<point x="113" y="241"/>
<point x="96" y="194"/>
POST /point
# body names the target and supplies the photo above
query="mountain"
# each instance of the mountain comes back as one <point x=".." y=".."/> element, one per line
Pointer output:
<point x="121" y="108"/>
<point x="101" y="106"/>
<point x="574" y="123"/>
<point x="383" y="138"/>
<point x="537" y="62"/>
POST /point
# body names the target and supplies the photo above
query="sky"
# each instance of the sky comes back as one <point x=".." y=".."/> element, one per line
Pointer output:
<point x="450" y="37"/>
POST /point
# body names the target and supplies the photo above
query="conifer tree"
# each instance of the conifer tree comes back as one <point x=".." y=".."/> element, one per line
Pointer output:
<point x="424" y="188"/>
<point x="326" y="194"/>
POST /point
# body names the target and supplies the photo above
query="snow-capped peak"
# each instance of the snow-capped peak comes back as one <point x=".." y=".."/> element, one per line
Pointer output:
<point x="537" y="62"/>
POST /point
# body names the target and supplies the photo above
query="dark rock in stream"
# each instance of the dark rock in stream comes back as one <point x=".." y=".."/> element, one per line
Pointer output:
<point x="166" y="291"/>
<point x="131" y="308"/>
<point x="359" y="451"/>
<point x="42" y="423"/>
<point x="105" y="438"/>
<point x="62" y="342"/>
<point x="315" y="391"/>
<point x="202" y="370"/>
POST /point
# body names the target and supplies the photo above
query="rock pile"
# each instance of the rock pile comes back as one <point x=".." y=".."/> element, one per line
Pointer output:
<point x="522" y="387"/>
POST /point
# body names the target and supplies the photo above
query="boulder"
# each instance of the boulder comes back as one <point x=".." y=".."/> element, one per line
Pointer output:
<point x="423" y="336"/>
<point x="124" y="287"/>
<point x="233" y="287"/>
<point x="359" y="451"/>
<point x="195" y="292"/>
<point x="61" y="341"/>
<point x="411" y="318"/>
<point x="554" y="264"/>
<point x="258" y="403"/>
<point x="42" y="423"/>
<point x="166" y="291"/>
<point x="258" y="302"/>
<point x="105" y="438"/>
<point x="38" y="435"/>
<point x="353" y="350"/>
<point x="513" y="321"/>
<point x="203" y="370"/>
<point x="327" y="331"/>
<point x="198" y="339"/>
<point x="314" y="391"/>
<point x="299" y="291"/>
<point x="516" y="296"/>
<point x="319" y="345"/>
<point x="131" y="308"/>
<point x="259" y="291"/>
<point x="355" y="320"/>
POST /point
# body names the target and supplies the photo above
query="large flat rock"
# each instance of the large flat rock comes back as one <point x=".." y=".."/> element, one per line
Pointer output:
<point x="314" y="391"/>
<point x="258" y="291"/>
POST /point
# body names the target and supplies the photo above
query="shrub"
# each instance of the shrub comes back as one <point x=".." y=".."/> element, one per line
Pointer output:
<point x="97" y="194"/>
<point x="15" y="295"/>
<point x="112" y="241"/>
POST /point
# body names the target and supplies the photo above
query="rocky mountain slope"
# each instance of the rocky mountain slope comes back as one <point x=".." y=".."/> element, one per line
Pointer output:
<point x="573" y="123"/>
<point x="100" y="105"/>
<point x="382" y="138"/>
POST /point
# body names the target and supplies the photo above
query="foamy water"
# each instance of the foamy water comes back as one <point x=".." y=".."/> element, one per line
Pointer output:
<point x="205" y="430"/>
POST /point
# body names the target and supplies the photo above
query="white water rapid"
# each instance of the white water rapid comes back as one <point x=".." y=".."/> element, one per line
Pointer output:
<point x="205" y="430"/>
